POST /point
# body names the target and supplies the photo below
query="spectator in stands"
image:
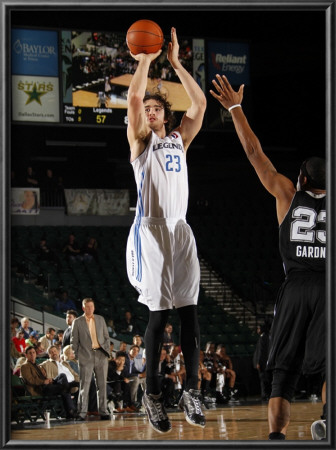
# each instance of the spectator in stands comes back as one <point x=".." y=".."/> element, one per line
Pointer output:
<point x="128" y="325"/>
<point x="71" y="315"/>
<point x="204" y="378"/>
<point x="123" y="346"/>
<point x="27" y="329"/>
<point x="49" y="186"/>
<point x="69" y="356"/>
<point x="59" y="336"/>
<point x="224" y="365"/>
<point x="48" y="339"/>
<point x="89" y="250"/>
<point x="177" y="370"/>
<point x="44" y="253"/>
<point x="14" y="355"/>
<point x="18" y="364"/>
<point x="15" y="325"/>
<point x="58" y="345"/>
<point x="40" y="352"/>
<point x="260" y="358"/>
<point x="117" y="385"/>
<point x="168" y="337"/>
<point x="55" y="366"/>
<point x="210" y="362"/>
<point x="38" y="383"/>
<point x="64" y="303"/>
<point x="111" y="328"/>
<point x="19" y="343"/>
<point x="31" y="178"/>
<point x="140" y="359"/>
<point x="167" y="380"/>
<point x="72" y="249"/>
<point x="14" y="352"/>
<point x="112" y="351"/>
<point x="32" y="340"/>
<point x="133" y="374"/>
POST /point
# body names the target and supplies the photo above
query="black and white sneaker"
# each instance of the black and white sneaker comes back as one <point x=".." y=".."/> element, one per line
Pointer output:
<point x="191" y="404"/>
<point x="234" y="396"/>
<point x="156" y="413"/>
<point x="319" y="430"/>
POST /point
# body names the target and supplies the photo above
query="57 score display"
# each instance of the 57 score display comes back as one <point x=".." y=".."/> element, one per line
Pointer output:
<point x="75" y="114"/>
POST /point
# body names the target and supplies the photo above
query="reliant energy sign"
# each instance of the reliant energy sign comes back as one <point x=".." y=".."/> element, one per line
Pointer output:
<point x="35" y="84"/>
<point x="231" y="59"/>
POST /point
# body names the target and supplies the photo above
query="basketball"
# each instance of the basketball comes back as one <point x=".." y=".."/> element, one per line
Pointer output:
<point x="144" y="36"/>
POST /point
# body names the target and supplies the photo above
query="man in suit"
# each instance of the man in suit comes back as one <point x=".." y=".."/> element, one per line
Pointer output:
<point x="39" y="383"/>
<point x="71" y="315"/>
<point x="91" y="343"/>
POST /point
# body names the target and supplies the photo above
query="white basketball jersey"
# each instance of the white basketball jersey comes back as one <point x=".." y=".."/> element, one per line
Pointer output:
<point x="162" y="178"/>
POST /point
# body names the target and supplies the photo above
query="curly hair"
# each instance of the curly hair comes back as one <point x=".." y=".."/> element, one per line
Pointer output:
<point x="168" y="114"/>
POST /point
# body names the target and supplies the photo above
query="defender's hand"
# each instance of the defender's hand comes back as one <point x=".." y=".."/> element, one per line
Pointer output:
<point x="225" y="94"/>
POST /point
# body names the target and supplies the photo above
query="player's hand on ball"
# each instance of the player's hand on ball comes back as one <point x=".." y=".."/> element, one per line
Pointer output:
<point x="150" y="56"/>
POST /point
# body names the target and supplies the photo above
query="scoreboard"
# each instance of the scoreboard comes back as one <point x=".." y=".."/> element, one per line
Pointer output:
<point x="82" y="78"/>
<point x="93" y="116"/>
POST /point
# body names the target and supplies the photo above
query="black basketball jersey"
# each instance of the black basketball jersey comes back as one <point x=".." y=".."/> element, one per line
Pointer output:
<point x="302" y="234"/>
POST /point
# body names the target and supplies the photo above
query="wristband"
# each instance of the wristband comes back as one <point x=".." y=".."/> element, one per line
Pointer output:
<point x="234" y="106"/>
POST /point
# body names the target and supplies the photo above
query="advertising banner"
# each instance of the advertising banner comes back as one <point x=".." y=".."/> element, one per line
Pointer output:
<point x="97" y="202"/>
<point x="25" y="201"/>
<point x="231" y="59"/>
<point x="35" y="98"/>
<point x="34" y="52"/>
<point x="199" y="62"/>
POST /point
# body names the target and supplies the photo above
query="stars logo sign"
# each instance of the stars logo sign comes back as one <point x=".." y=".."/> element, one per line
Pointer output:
<point x="34" y="95"/>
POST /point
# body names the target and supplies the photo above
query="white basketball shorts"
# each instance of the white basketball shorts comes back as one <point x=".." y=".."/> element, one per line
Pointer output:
<point x="162" y="263"/>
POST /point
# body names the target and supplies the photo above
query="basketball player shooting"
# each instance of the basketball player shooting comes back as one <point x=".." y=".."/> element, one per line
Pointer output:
<point x="298" y="329"/>
<point x="162" y="261"/>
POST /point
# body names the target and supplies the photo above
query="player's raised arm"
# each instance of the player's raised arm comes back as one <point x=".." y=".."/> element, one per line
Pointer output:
<point x="277" y="184"/>
<point x="192" y="120"/>
<point x="137" y="130"/>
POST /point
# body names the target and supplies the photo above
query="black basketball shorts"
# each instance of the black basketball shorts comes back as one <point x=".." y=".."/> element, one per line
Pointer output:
<point x="298" y="329"/>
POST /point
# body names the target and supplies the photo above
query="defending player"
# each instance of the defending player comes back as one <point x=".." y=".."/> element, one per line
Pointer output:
<point x="298" y="329"/>
<point x="162" y="261"/>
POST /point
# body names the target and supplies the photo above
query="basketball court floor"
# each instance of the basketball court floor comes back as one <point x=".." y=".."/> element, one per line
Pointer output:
<point x="246" y="421"/>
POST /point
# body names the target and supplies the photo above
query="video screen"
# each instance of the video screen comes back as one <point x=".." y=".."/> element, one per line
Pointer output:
<point x="97" y="69"/>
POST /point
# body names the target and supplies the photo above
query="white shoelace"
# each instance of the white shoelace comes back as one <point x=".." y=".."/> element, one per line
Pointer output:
<point x="196" y="405"/>
<point x="160" y="414"/>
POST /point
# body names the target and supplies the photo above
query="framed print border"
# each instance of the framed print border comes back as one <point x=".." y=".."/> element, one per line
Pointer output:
<point x="329" y="8"/>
